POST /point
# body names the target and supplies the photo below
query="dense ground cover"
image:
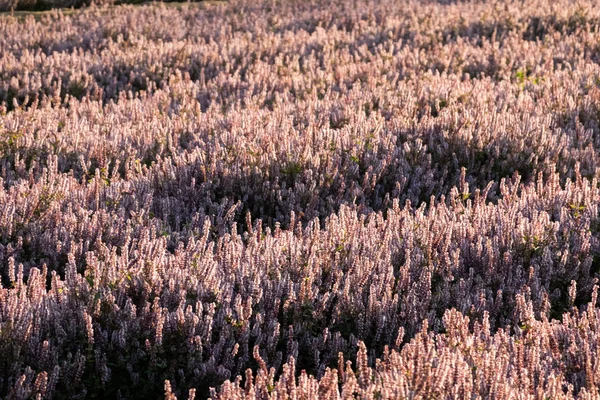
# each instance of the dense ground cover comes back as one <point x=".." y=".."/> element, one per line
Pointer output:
<point x="301" y="199"/>
<point x="38" y="6"/>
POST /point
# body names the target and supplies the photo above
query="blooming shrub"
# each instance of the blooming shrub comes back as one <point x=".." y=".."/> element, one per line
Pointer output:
<point x="301" y="200"/>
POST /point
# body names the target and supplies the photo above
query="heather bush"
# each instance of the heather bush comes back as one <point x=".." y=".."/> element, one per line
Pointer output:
<point x="301" y="200"/>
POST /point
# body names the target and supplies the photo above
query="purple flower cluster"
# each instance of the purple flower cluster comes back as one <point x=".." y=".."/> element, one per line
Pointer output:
<point x="315" y="199"/>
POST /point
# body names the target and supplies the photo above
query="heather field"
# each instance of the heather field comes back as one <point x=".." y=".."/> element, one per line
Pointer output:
<point x="307" y="199"/>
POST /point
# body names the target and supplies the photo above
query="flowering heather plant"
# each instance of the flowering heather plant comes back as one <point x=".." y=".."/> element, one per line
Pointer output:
<point x="281" y="199"/>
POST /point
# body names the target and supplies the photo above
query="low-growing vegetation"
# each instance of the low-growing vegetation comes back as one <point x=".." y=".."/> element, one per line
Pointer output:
<point x="301" y="199"/>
